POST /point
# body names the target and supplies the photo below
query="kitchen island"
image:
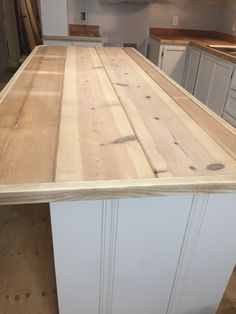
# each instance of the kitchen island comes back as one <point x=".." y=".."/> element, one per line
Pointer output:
<point x="140" y="177"/>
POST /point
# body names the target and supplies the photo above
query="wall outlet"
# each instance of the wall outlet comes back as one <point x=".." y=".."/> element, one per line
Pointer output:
<point x="83" y="16"/>
<point x="175" y="20"/>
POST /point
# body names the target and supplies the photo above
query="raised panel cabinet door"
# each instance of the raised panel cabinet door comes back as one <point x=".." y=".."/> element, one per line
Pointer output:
<point x="173" y="62"/>
<point x="204" y="78"/>
<point x="220" y="86"/>
<point x="192" y="70"/>
<point x="154" y="51"/>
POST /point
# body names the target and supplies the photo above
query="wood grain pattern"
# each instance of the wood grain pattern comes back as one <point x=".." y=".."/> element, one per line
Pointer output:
<point x="86" y="123"/>
<point x="98" y="129"/>
<point x="163" y="128"/>
<point x="84" y="30"/>
<point x="27" y="274"/>
<point x="196" y="38"/>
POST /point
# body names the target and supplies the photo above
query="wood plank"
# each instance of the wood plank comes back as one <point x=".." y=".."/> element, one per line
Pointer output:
<point x="27" y="24"/>
<point x="33" y="21"/>
<point x="110" y="189"/>
<point x="163" y="129"/>
<point x="215" y="126"/>
<point x="101" y="142"/>
<point x="27" y="277"/>
<point x="29" y="116"/>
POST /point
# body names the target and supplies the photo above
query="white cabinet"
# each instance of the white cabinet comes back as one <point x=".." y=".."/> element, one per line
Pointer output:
<point x="213" y="82"/>
<point x="172" y="61"/>
<point x="54" y="17"/>
<point x="169" y="58"/>
<point x="154" y="51"/>
<point x="230" y="107"/>
<point x="191" y="69"/>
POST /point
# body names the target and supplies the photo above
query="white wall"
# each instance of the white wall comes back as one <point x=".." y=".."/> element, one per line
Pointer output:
<point x="227" y="20"/>
<point x="130" y="22"/>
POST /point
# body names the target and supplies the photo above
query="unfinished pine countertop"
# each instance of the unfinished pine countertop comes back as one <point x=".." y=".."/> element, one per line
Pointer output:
<point x="93" y="123"/>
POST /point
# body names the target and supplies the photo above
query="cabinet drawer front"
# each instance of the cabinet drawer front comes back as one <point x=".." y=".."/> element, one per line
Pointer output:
<point x="230" y="107"/>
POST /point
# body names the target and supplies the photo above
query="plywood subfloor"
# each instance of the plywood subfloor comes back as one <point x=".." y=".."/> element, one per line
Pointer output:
<point x="27" y="278"/>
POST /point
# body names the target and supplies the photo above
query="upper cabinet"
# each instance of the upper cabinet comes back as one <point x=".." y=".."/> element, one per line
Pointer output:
<point x="55" y="23"/>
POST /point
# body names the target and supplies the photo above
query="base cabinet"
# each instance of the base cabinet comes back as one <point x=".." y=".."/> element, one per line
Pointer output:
<point x="144" y="256"/>
<point x="169" y="58"/>
<point x="213" y="82"/>
<point x="191" y="70"/>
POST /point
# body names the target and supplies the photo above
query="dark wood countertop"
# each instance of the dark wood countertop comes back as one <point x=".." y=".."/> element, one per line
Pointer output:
<point x="195" y="38"/>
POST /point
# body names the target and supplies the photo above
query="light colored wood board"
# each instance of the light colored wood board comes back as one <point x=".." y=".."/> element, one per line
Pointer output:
<point x="164" y="129"/>
<point x="40" y="124"/>
<point x="29" y="116"/>
<point x="14" y="78"/>
<point x="27" y="24"/>
<point x="215" y="126"/>
<point x="33" y="21"/>
<point x="27" y="278"/>
<point x="94" y="128"/>
<point x="95" y="190"/>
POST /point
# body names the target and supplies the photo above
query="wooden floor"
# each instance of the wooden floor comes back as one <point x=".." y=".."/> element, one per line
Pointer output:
<point x="27" y="278"/>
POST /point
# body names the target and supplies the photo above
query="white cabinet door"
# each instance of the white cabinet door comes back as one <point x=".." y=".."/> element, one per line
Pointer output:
<point x="230" y="108"/>
<point x="192" y="69"/>
<point x="213" y="82"/>
<point x="54" y="17"/>
<point x="204" y="78"/>
<point x="154" y="51"/>
<point x="172" y="62"/>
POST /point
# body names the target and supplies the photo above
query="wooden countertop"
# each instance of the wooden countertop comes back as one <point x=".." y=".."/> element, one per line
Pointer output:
<point x="198" y="39"/>
<point x="88" y="123"/>
<point x="73" y="38"/>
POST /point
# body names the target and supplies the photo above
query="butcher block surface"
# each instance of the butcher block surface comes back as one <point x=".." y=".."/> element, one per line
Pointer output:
<point x="89" y="123"/>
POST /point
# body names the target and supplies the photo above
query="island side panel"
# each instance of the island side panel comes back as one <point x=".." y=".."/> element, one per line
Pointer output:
<point x="118" y="256"/>
<point x="208" y="256"/>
